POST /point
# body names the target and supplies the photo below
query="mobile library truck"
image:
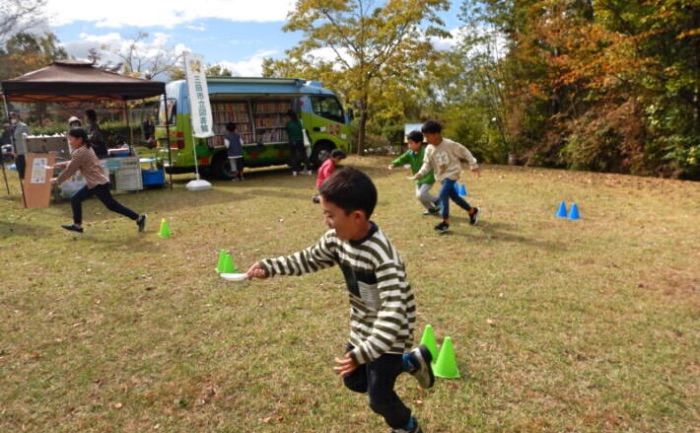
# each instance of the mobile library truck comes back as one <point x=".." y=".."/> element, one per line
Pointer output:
<point x="258" y="107"/>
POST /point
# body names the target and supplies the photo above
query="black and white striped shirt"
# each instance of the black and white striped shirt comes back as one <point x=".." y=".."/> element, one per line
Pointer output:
<point x="382" y="306"/>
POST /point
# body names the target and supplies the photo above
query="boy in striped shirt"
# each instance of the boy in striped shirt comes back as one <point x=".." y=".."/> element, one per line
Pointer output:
<point x="382" y="306"/>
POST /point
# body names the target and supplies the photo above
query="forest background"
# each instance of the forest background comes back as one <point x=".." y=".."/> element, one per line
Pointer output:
<point x="609" y="86"/>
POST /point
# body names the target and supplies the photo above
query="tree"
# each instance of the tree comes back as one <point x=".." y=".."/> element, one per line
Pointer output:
<point x="609" y="85"/>
<point x="219" y="71"/>
<point x="25" y="52"/>
<point x="374" y="47"/>
<point x="139" y="61"/>
<point x="17" y="16"/>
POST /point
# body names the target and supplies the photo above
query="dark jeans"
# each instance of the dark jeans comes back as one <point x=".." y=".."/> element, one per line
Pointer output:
<point x="20" y="164"/>
<point x="297" y="153"/>
<point x="447" y="192"/>
<point x="377" y="379"/>
<point x="102" y="192"/>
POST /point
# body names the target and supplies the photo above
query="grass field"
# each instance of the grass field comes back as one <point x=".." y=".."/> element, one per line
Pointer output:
<point x="558" y="326"/>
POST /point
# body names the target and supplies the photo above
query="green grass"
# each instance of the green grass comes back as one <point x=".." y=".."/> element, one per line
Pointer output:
<point x="557" y="325"/>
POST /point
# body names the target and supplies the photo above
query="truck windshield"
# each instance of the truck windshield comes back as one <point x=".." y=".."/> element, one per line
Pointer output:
<point x="328" y="107"/>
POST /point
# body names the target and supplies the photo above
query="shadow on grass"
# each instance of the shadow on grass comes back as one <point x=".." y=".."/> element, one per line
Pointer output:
<point x="501" y="232"/>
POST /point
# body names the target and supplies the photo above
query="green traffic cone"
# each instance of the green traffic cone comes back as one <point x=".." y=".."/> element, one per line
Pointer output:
<point x="225" y="264"/>
<point x="428" y="340"/>
<point x="164" y="229"/>
<point x="229" y="265"/>
<point x="221" y="264"/>
<point x="446" y="365"/>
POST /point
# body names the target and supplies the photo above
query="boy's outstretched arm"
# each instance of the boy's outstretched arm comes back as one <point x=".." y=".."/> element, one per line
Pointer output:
<point x="257" y="271"/>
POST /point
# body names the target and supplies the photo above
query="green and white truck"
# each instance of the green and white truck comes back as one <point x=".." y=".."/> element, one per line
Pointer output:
<point x="259" y="108"/>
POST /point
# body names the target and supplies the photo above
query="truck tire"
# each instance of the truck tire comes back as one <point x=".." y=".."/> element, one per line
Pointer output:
<point x="318" y="148"/>
<point x="221" y="167"/>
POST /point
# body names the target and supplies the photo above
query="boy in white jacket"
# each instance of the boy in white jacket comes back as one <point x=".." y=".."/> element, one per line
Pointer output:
<point x="444" y="156"/>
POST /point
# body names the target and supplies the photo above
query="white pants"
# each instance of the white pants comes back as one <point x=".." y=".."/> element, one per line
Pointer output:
<point x="424" y="197"/>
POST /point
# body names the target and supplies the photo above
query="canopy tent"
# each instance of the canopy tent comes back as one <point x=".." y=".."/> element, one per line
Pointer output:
<point x="70" y="80"/>
<point x="66" y="80"/>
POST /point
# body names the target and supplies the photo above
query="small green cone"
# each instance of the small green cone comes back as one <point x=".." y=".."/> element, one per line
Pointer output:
<point x="225" y="265"/>
<point x="428" y="340"/>
<point x="164" y="229"/>
<point x="221" y="264"/>
<point x="229" y="266"/>
<point x="446" y="365"/>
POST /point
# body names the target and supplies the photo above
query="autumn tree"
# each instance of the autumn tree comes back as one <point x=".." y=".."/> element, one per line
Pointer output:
<point x="371" y="48"/>
<point x="26" y="52"/>
<point x="609" y="85"/>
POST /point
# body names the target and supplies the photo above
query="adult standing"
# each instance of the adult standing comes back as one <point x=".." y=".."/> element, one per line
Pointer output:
<point x="95" y="136"/>
<point x="74" y="122"/>
<point x="295" y="134"/>
<point x="148" y="127"/>
<point x="6" y="137"/>
<point x="19" y="132"/>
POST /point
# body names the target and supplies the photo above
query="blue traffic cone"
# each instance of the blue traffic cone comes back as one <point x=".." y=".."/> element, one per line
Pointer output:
<point x="562" y="210"/>
<point x="573" y="214"/>
<point x="462" y="190"/>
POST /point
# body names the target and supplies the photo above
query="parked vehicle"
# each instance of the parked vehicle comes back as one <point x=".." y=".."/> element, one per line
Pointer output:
<point x="259" y="108"/>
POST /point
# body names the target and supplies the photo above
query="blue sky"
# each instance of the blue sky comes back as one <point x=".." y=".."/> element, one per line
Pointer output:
<point x="237" y="34"/>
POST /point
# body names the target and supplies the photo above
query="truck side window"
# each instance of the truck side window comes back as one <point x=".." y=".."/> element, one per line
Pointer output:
<point x="328" y="107"/>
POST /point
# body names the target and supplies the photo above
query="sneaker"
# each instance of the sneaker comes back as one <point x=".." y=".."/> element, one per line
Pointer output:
<point x="432" y="211"/>
<point x="72" y="228"/>
<point x="141" y="222"/>
<point x="421" y="357"/>
<point x="474" y="217"/>
<point x="415" y="429"/>
<point x="309" y="172"/>
<point x="294" y="173"/>
<point x="442" y="228"/>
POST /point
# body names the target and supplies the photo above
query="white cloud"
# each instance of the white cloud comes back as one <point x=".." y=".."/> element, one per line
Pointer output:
<point x="250" y="67"/>
<point x="165" y="13"/>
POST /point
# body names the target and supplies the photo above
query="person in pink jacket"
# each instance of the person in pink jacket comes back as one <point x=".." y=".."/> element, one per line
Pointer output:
<point x="83" y="158"/>
<point x="444" y="157"/>
<point x="326" y="169"/>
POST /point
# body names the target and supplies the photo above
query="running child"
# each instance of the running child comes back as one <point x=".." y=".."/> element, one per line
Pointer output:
<point x="383" y="309"/>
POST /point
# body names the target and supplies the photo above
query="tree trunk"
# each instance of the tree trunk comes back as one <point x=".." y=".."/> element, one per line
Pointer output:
<point x="362" y="127"/>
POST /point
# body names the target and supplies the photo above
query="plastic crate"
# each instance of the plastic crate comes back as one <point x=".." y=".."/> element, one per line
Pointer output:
<point x="153" y="177"/>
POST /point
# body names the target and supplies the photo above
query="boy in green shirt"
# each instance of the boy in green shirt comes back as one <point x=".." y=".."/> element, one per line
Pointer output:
<point x="414" y="157"/>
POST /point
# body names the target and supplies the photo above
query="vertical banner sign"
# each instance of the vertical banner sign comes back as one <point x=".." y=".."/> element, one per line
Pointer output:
<point x="200" y="107"/>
